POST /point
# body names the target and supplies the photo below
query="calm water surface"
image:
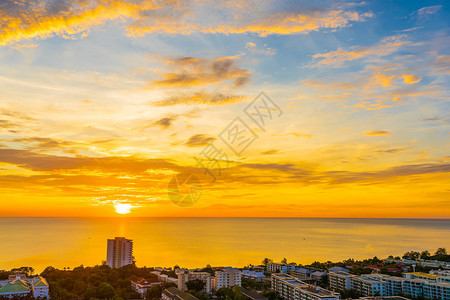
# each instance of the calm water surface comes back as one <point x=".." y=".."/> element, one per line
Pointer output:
<point x="195" y="242"/>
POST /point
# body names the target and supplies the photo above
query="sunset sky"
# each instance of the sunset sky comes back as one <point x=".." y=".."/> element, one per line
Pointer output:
<point x="102" y="102"/>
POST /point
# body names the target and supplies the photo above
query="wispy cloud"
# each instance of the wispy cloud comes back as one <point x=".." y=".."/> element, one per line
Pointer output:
<point x="384" y="47"/>
<point x="377" y="132"/>
<point x="199" y="98"/>
<point x="200" y="140"/>
<point x="192" y="71"/>
<point x="280" y="23"/>
<point x="427" y="11"/>
<point x="270" y="152"/>
<point x="165" y="122"/>
<point x="27" y="19"/>
<point x="24" y="20"/>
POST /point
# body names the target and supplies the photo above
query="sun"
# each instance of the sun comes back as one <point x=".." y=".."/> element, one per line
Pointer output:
<point x="123" y="208"/>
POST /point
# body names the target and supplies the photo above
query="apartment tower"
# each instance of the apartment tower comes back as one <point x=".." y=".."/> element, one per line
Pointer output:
<point x="119" y="252"/>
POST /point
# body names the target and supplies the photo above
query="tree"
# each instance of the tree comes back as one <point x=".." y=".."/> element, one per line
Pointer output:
<point x="79" y="287"/>
<point x="238" y="293"/>
<point x="271" y="295"/>
<point x="284" y="261"/>
<point x="425" y="254"/>
<point x="195" y="285"/>
<point x="154" y="292"/>
<point x="441" y="251"/>
<point x="209" y="269"/>
<point x="105" y="291"/>
<point x="91" y="292"/>
<point x="26" y="270"/>
<point x="411" y="255"/>
<point x="266" y="261"/>
<point x="199" y="295"/>
<point x="225" y="293"/>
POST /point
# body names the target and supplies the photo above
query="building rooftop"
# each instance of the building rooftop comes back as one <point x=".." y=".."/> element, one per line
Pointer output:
<point x="417" y="280"/>
<point x="342" y="274"/>
<point x="368" y="279"/>
<point x="143" y="281"/>
<point x="252" y="295"/>
<point x="308" y="288"/>
<point x="40" y="281"/>
<point x="431" y="276"/>
<point x="16" y="286"/>
<point x="384" y="298"/>
<point x="175" y="293"/>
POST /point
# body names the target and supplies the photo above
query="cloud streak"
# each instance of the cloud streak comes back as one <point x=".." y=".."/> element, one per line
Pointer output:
<point x="376" y="132"/>
<point x="338" y="57"/>
<point x="28" y="19"/>
<point x="192" y="71"/>
<point x="39" y="19"/>
<point x="200" y="140"/>
<point x="199" y="98"/>
<point x="281" y="23"/>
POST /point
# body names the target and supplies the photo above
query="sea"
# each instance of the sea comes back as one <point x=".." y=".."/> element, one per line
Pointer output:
<point x="197" y="242"/>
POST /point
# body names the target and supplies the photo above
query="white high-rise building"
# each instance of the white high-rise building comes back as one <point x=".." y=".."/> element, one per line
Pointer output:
<point x="227" y="277"/>
<point x="119" y="252"/>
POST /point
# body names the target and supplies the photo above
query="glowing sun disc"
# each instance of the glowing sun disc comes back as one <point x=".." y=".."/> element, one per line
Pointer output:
<point x="122" y="208"/>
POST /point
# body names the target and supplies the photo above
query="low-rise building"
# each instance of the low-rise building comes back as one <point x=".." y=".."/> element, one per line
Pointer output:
<point x="252" y="295"/>
<point x="301" y="273"/>
<point x="368" y="286"/>
<point x="440" y="272"/>
<point x="173" y="293"/>
<point x="413" y="287"/>
<point x="384" y="298"/>
<point x="141" y="285"/>
<point x="337" y="269"/>
<point x="317" y="275"/>
<point x="421" y="275"/>
<point x="253" y="275"/>
<point x="412" y="284"/>
<point x="19" y="285"/>
<point x="436" y="290"/>
<point x="393" y="285"/>
<point x="374" y="268"/>
<point x="280" y="267"/>
<point x="291" y="288"/>
<point x="227" y="277"/>
<point x="340" y="280"/>
<point x="186" y="276"/>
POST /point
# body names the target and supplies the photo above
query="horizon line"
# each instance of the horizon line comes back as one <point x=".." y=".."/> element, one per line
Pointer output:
<point x="230" y="217"/>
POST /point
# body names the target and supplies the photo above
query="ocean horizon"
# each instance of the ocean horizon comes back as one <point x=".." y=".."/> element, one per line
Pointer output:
<point x="195" y="242"/>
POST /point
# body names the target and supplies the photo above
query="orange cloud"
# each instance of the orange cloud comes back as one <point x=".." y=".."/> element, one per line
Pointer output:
<point x="369" y="105"/>
<point x="200" y="140"/>
<point x="411" y="79"/>
<point x="280" y="23"/>
<point x="377" y="132"/>
<point x="383" y="48"/>
<point x="192" y="71"/>
<point x="200" y="98"/>
<point x="26" y="20"/>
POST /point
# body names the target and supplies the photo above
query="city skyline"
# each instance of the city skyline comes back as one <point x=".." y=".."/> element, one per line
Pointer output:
<point x="104" y="102"/>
